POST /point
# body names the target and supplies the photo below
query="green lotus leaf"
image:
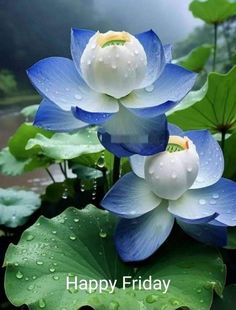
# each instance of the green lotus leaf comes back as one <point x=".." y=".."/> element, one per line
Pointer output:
<point x="229" y="156"/>
<point x="196" y="59"/>
<point x="213" y="11"/>
<point x="11" y="166"/>
<point x="80" y="243"/>
<point x="16" y="206"/>
<point x="63" y="146"/>
<point x="228" y="301"/>
<point x="30" y="111"/>
<point x="18" y="141"/>
<point x="214" y="108"/>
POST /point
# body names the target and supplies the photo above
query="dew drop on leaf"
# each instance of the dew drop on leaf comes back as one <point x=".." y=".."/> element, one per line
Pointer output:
<point x="151" y="298"/>
<point x="19" y="275"/>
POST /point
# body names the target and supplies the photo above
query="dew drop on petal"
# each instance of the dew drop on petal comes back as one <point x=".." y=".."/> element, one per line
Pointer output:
<point x="202" y="201"/>
<point x="215" y="196"/>
<point x="78" y="96"/>
<point x="149" y="88"/>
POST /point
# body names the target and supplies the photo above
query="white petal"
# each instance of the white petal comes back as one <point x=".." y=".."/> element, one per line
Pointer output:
<point x="171" y="174"/>
<point x="114" y="70"/>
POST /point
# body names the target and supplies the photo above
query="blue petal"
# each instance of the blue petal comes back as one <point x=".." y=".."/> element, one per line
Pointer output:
<point x="135" y="134"/>
<point x="155" y="56"/>
<point x="175" y="130"/>
<point x="170" y="88"/>
<point x="211" y="158"/>
<point x="168" y="52"/>
<point x="193" y="207"/>
<point x="130" y="197"/>
<point x="206" y="233"/>
<point x="137" y="163"/>
<point x="218" y="199"/>
<point x="79" y="40"/>
<point x="91" y="117"/>
<point x="222" y="199"/>
<point x="115" y="148"/>
<point x="139" y="238"/>
<point x="49" y="116"/>
<point x="57" y="79"/>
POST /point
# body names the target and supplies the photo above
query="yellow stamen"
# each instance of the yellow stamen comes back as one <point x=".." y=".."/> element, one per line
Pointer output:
<point x="176" y="144"/>
<point x="112" y="37"/>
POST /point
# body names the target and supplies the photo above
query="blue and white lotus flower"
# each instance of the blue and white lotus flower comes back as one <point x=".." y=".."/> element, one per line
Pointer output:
<point x="182" y="183"/>
<point x="120" y="82"/>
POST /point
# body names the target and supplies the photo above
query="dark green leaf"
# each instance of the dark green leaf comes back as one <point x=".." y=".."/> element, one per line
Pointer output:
<point x="228" y="301"/>
<point x="213" y="107"/>
<point x="80" y="243"/>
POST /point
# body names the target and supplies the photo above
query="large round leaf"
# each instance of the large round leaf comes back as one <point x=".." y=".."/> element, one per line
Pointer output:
<point x="67" y="146"/>
<point x="9" y="165"/>
<point x="213" y="11"/>
<point x="196" y="59"/>
<point x="16" y="206"/>
<point x="18" y="141"/>
<point x="215" y="110"/>
<point x="80" y="243"/>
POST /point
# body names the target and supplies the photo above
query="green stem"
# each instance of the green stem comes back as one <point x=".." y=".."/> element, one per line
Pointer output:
<point x="65" y="169"/>
<point x="50" y="175"/>
<point x="223" y="134"/>
<point x="228" y="45"/>
<point x="215" y="46"/>
<point x="116" y="169"/>
<point x="62" y="170"/>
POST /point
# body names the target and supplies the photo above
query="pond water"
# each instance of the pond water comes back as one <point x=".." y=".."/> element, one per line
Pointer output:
<point x="10" y="120"/>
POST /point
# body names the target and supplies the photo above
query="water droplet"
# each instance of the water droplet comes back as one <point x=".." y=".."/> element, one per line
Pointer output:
<point x="114" y="67"/>
<point x="34" y="277"/>
<point x="52" y="269"/>
<point x="216" y="196"/>
<point x="76" y="220"/>
<point x="19" y="275"/>
<point x="42" y="303"/>
<point x="72" y="238"/>
<point x="54" y="232"/>
<point x="26" y="279"/>
<point x="65" y="194"/>
<point x="174" y="302"/>
<point x="202" y="202"/>
<point x="100" y="59"/>
<point x="136" y="52"/>
<point x="189" y="169"/>
<point x="101" y="161"/>
<point x="56" y="278"/>
<point x="199" y="290"/>
<point x="93" y="46"/>
<point x="89" y="62"/>
<point x="201" y="301"/>
<point x="102" y="234"/>
<point x="114" y="305"/>
<point x="39" y="263"/>
<point x="151" y="298"/>
<point x="29" y="237"/>
<point x="212" y="202"/>
<point x="161" y="164"/>
<point x="78" y="96"/>
<point x="149" y="88"/>
<point x="31" y="287"/>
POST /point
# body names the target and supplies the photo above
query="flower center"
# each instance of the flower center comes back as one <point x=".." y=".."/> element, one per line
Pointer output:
<point x="177" y="144"/>
<point x="112" y="38"/>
